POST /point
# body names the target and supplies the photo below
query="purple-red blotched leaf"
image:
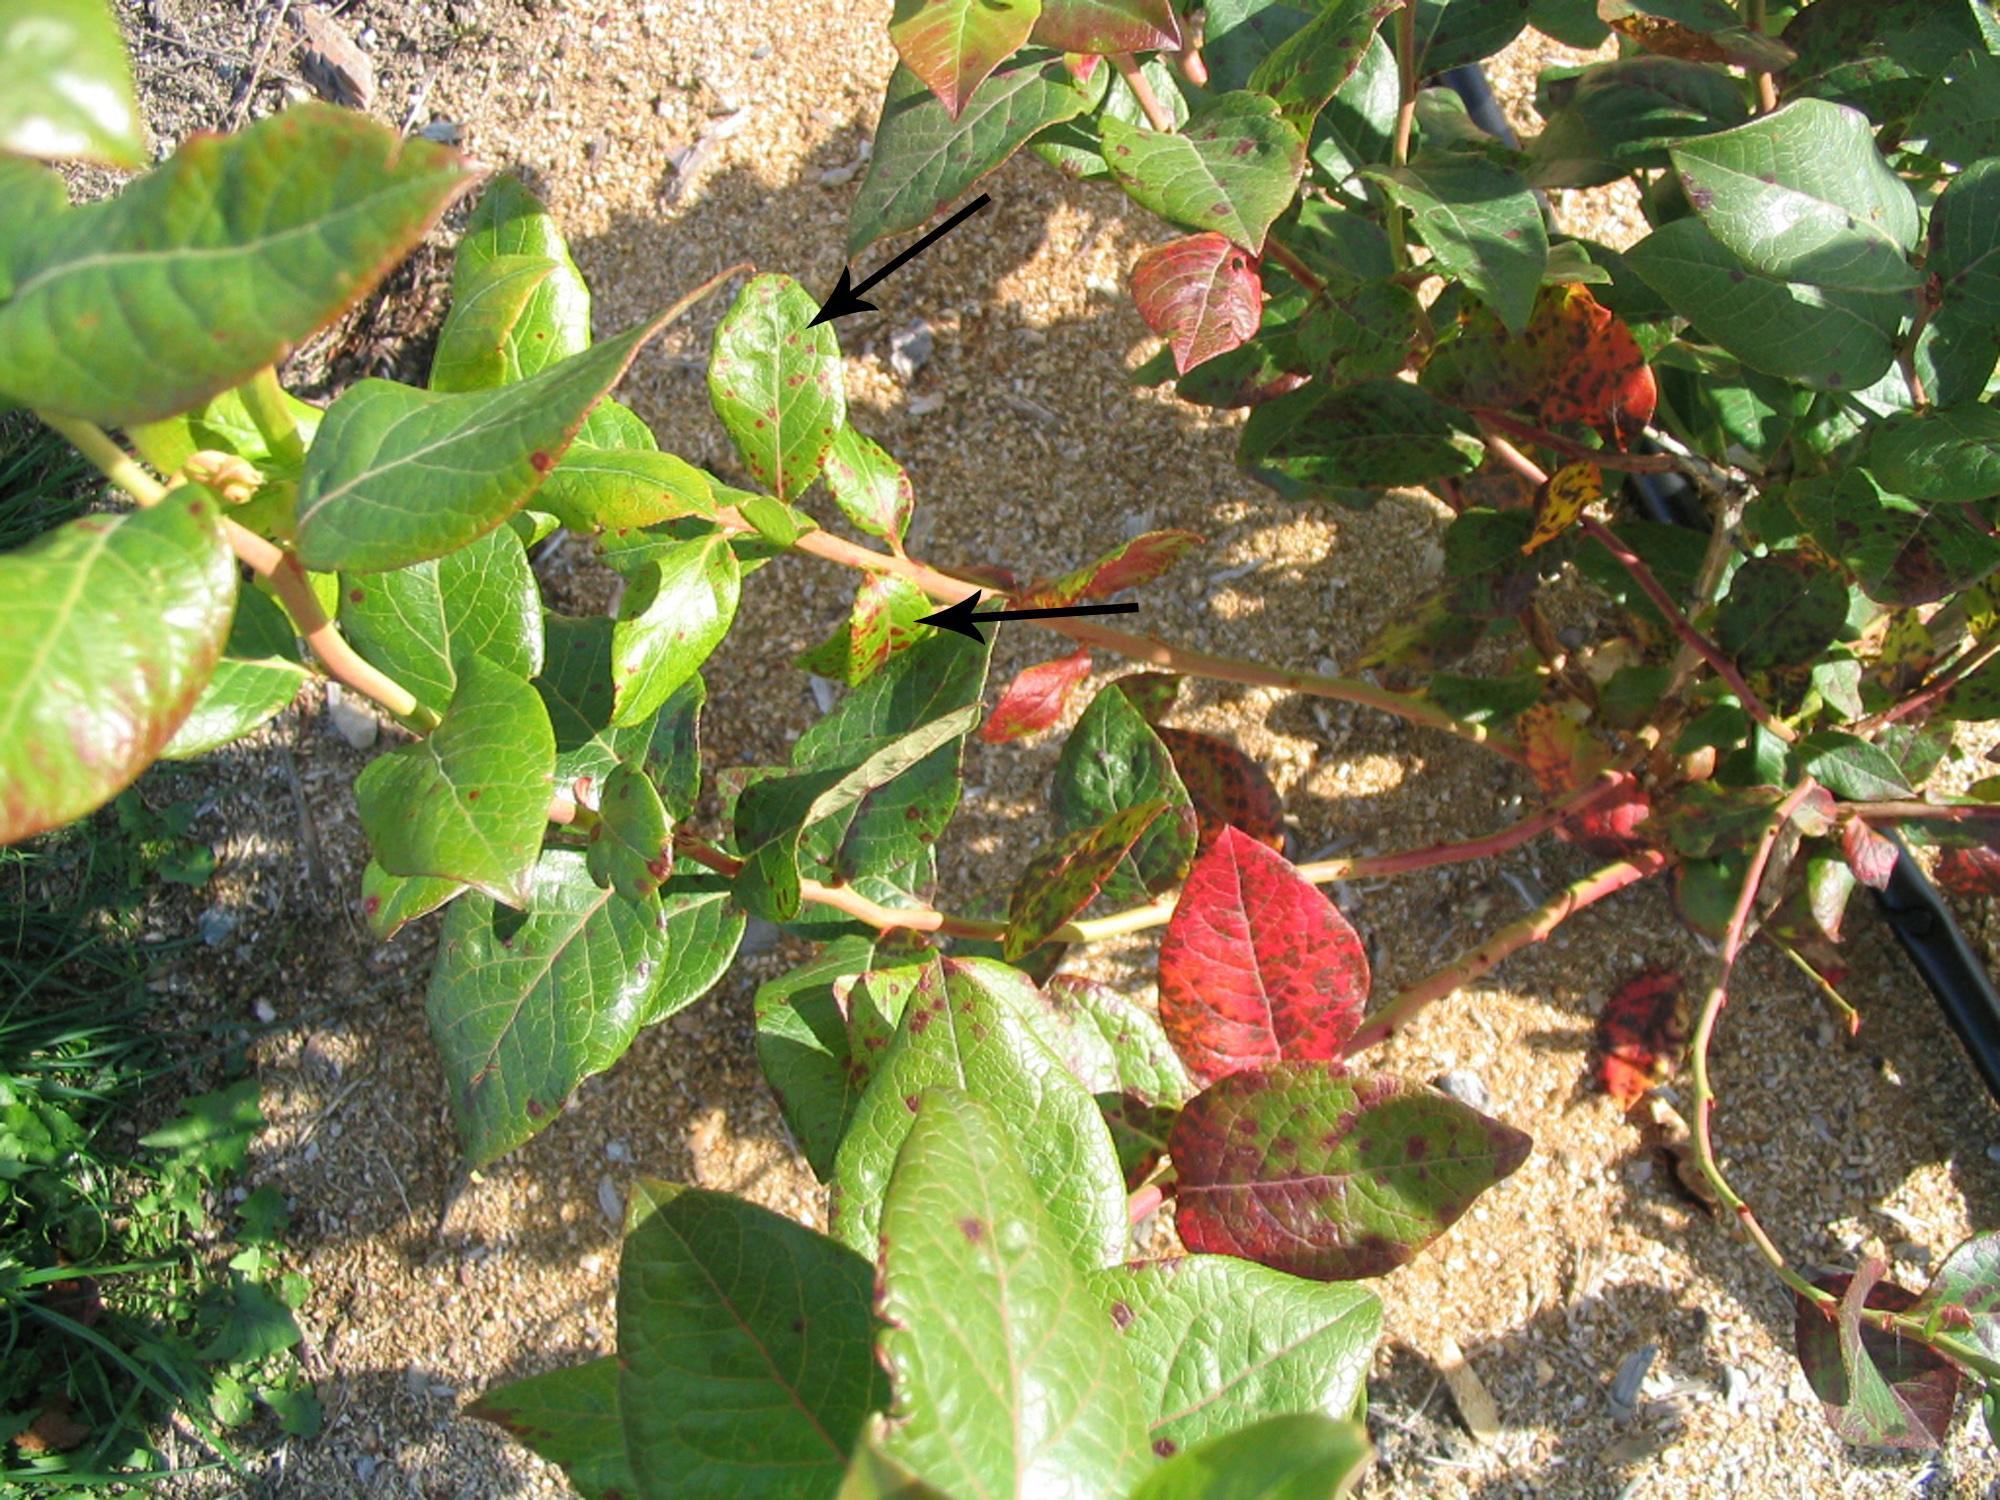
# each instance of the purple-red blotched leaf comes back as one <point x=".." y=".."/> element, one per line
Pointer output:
<point x="1035" y="699"/>
<point x="1963" y="872"/>
<point x="1059" y="884"/>
<point x="1227" y="787"/>
<point x="1201" y="294"/>
<point x="1870" y="856"/>
<point x="1877" y="1388"/>
<point x="1326" y="1175"/>
<point x="1257" y="964"/>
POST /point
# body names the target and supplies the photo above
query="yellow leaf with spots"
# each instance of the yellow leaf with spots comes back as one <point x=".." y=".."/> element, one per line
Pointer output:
<point x="1561" y="500"/>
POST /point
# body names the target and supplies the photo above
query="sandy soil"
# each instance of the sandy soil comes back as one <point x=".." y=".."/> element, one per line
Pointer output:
<point x="1029" y="448"/>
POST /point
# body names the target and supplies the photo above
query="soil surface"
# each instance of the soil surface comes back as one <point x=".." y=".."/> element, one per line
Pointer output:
<point x="673" y="139"/>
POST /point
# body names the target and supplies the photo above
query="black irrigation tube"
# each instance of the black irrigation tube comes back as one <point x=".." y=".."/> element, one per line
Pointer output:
<point x="1922" y="923"/>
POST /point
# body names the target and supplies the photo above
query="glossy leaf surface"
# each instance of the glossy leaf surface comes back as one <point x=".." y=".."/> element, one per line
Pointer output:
<point x="1035" y="699"/>
<point x="1201" y="294"/>
<point x="802" y="1048"/>
<point x="1306" y="1456"/>
<point x="674" y="613"/>
<point x="1481" y="222"/>
<point x="65" y="86"/>
<point x="776" y="384"/>
<point x="952" y="45"/>
<point x="569" y="1417"/>
<point x="1232" y="171"/>
<point x="1112" y="761"/>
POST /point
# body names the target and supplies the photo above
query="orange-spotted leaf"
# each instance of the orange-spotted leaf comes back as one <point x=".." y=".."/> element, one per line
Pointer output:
<point x="1695" y="31"/>
<point x="1257" y="964"/>
<point x="1963" y="872"/>
<point x="1329" y="1175"/>
<point x="1561" y="753"/>
<point x="953" y="44"/>
<point x="1870" y="856"/>
<point x="1139" y="561"/>
<point x="1035" y="699"/>
<point x="1062" y="882"/>
<point x="1562" y="499"/>
<point x="1227" y="787"/>
<point x="1201" y="294"/>
<point x="1641" y="1033"/>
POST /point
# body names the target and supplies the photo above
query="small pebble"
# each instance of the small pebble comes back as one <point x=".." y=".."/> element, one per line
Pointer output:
<point x="1467" y="1087"/>
<point x="923" y="406"/>
<point x="216" y="925"/>
<point x="265" y="1012"/>
<point x="610" y="1203"/>
<point x="910" y="349"/>
<point x="618" y="1151"/>
<point x="1993" y="1152"/>
<point x="444" y="132"/>
<point x="355" y="725"/>
<point x="1631" y="1375"/>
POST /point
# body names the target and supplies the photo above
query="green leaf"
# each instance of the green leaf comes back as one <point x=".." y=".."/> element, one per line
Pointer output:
<point x="954" y="44"/>
<point x="217" y="262"/>
<point x="481" y="342"/>
<point x="1949" y="453"/>
<point x="390" y="902"/>
<point x="1482" y="223"/>
<point x="65" y="85"/>
<point x="1366" y="334"/>
<point x="871" y="488"/>
<point x="1851" y="768"/>
<point x="1066" y="878"/>
<point x="470" y="800"/>
<point x="675" y="611"/>
<point x="1307" y="69"/>
<point x="873" y="1475"/>
<point x="886" y="613"/>
<point x="631" y="845"/>
<point x="1007" y="1380"/>
<point x="213" y="1131"/>
<point x="1620" y="117"/>
<point x="924" y="158"/>
<point x="967" y="1029"/>
<point x="1219" y="1342"/>
<point x="610" y="489"/>
<point x="1233" y="170"/>
<point x="1112" y="762"/>
<point x="423" y="623"/>
<point x="258" y="677"/>
<point x="745" y="1348"/>
<point x="1305" y="1456"/>
<point x="1111" y="1044"/>
<point x="704" y="927"/>
<point x="1964" y="1295"/>
<point x="1781" y="610"/>
<point x="1376" y="434"/>
<point x="1452" y="32"/>
<point x="109" y="627"/>
<point x="802" y="1047"/>
<point x="575" y="687"/>
<point x="254" y="1325"/>
<point x="1802" y="195"/>
<point x="1901" y="551"/>
<point x="1959" y="118"/>
<point x="509" y="223"/>
<point x="398" y="475"/>
<point x="776" y="383"/>
<point x="524" y="1006"/>
<point x="1822" y="337"/>
<point x="571" y="1418"/>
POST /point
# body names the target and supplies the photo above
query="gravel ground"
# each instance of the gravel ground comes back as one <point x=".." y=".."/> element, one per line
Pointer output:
<point x="1029" y="449"/>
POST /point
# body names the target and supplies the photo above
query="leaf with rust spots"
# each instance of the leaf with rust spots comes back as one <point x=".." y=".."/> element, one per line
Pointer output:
<point x="1201" y="293"/>
<point x="1970" y="872"/>
<point x="884" y="620"/>
<point x="1257" y="964"/>
<point x="631" y="847"/>
<point x="1152" y="693"/>
<point x="1330" y="1176"/>
<point x="1878" y="1389"/>
<point x="954" y="44"/>
<point x="1063" y="881"/>
<point x="1782" y="609"/>
<point x="1695" y="31"/>
<point x="1114" y="759"/>
<point x="1138" y="562"/>
<point x="1870" y="856"/>
<point x="1561" y="753"/>
<point x="1035" y="699"/>
<point x="1901" y="551"/>
<point x="1097" y="27"/>
<point x="1227" y="787"/>
<point x="1641" y="1033"/>
<point x="1562" y="499"/>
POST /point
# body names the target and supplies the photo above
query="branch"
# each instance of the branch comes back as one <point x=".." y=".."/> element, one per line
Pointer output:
<point x="1297" y="269"/>
<point x="1412" y="707"/>
<point x="1157" y="114"/>
<point x="1927" y="696"/>
<point x="1533" y="928"/>
<point x="1922" y="812"/>
<point x="110" y="460"/>
<point x="1767" y="88"/>
<point x="264" y="399"/>
<point x="1604" y="458"/>
<point x="1406" y="119"/>
<point x="846" y="899"/>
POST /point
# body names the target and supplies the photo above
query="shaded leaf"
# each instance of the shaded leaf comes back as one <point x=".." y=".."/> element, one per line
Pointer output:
<point x="1619" y="117"/>
<point x="257" y="678"/>
<point x="803" y="1051"/>
<point x="1641" y="1033"/>
<point x="1307" y="69"/>
<point x="1201" y="293"/>
<point x="776" y="383"/>
<point x="1377" y="434"/>
<point x="1970" y="872"/>
<point x="1964" y="259"/>
<point x="1364" y="334"/>
<point x="1112" y="761"/>
<point x="1228" y="788"/>
<point x="952" y="45"/>
<point x="1901" y="551"/>
<point x="1870" y="856"/>
<point x="631" y="845"/>
<point x="1335" y="1177"/>
<point x="1482" y="223"/>
<point x="1851" y="767"/>
<point x="1066" y="878"/>
<point x="1951" y="453"/>
<point x="1781" y="610"/>
<point x="1232" y="171"/>
<point x="1877" y="1388"/>
<point x="1035" y="699"/>
<point x="1451" y="32"/>
<point x="570" y="1417"/>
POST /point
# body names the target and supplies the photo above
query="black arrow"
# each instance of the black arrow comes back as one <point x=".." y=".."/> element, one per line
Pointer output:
<point x="848" y="299"/>
<point x="960" y="617"/>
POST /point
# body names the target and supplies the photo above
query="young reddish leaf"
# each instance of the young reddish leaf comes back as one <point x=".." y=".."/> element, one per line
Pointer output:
<point x="1562" y="499"/>
<point x="1329" y="1176"/>
<point x="953" y="44"/>
<point x="1100" y="26"/>
<point x="1059" y="884"/>
<point x="1138" y="562"/>
<point x="1612" y="828"/>
<point x="1201" y="294"/>
<point x="1035" y="699"/>
<point x="1640" y="1034"/>
<point x="1562" y="756"/>
<point x="1963" y="872"/>
<point x="1257" y="964"/>
<point x="1871" y="857"/>
<point x="1877" y="1388"/>
<point x="1227" y="787"/>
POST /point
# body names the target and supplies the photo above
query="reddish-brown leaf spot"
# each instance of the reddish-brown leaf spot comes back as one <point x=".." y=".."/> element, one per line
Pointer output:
<point x="1062" y="882"/>
<point x="1138" y="562"/>
<point x="1257" y="964"/>
<point x="1035" y="699"/>
<point x="1640" y="1035"/>
<point x="1877" y="1388"/>
<point x="1201" y="294"/>
<point x="1870" y="856"/>
<point x="1353" y="1198"/>
<point x="1227" y="787"/>
<point x="1970" y="872"/>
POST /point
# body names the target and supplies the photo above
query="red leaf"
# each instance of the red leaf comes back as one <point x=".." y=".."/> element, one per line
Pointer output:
<point x="1257" y="964"/>
<point x="1611" y="828"/>
<point x="1640" y="1035"/>
<point x="1139" y="561"/>
<point x="1201" y="294"/>
<point x="1108" y="26"/>
<point x="1227" y="787"/>
<point x="1870" y="856"/>
<point x="1877" y="1388"/>
<point x="1034" y="700"/>
<point x="1966" y="872"/>
<point x="953" y="44"/>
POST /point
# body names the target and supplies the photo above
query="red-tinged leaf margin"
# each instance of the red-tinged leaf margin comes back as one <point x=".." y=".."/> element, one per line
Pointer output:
<point x="1036" y="698"/>
<point x="1227" y="787"/>
<point x="1327" y="1175"/>
<point x="1063" y="881"/>
<point x="1138" y="562"/>
<point x="952" y="45"/>
<point x="1877" y="1389"/>
<point x="1202" y="294"/>
<point x="1641" y="1033"/>
<point x="1101" y="26"/>
<point x="1257" y="964"/>
<point x="1870" y="856"/>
